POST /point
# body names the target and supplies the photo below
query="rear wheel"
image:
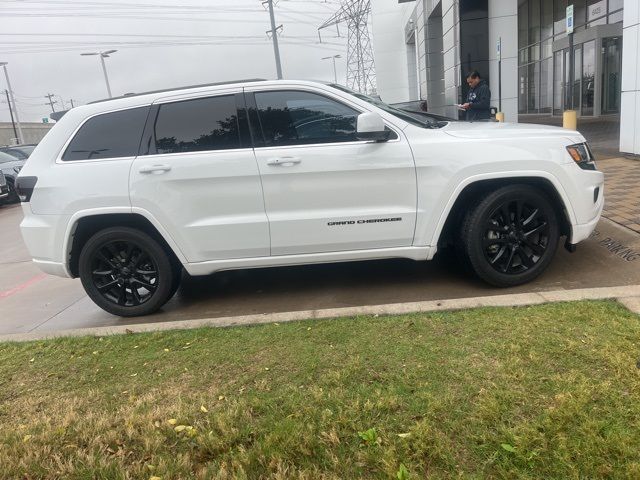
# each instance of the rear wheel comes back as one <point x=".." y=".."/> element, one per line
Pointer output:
<point x="13" y="195"/>
<point x="511" y="236"/>
<point x="126" y="272"/>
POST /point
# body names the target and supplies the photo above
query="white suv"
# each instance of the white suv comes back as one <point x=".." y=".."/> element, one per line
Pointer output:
<point x="125" y="193"/>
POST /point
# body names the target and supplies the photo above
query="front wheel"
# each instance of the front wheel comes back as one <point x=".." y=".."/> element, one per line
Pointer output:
<point x="126" y="272"/>
<point x="511" y="236"/>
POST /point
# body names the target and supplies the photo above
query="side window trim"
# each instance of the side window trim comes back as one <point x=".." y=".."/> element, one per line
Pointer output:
<point x="148" y="140"/>
<point x="254" y="120"/>
<point x="244" y="129"/>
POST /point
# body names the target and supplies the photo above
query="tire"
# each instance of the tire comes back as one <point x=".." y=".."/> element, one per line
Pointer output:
<point x="13" y="195"/>
<point x="511" y="236"/>
<point x="126" y="272"/>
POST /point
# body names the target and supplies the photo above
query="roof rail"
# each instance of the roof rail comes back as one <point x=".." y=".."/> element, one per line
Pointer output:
<point x="231" y="82"/>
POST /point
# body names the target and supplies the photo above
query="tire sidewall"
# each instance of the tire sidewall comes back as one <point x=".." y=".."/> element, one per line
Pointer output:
<point x="165" y="271"/>
<point x="475" y="230"/>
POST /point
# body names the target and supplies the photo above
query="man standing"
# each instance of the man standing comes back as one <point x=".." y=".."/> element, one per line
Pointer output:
<point x="478" y="106"/>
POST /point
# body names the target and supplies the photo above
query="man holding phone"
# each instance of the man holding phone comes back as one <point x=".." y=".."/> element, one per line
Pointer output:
<point x="478" y="106"/>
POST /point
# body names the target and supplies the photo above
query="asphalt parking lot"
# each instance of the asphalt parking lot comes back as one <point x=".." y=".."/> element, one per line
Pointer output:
<point x="34" y="302"/>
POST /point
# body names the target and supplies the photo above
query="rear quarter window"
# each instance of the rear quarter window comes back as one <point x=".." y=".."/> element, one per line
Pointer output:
<point x="109" y="135"/>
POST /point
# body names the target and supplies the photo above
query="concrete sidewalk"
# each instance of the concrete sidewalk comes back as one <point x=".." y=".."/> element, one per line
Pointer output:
<point x="622" y="191"/>
<point x="627" y="295"/>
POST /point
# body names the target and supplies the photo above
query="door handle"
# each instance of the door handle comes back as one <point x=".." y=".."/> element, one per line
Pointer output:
<point x="284" y="161"/>
<point x="155" y="169"/>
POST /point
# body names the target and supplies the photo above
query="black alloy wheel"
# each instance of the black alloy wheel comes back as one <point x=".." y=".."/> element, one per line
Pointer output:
<point x="126" y="272"/>
<point x="516" y="236"/>
<point x="511" y="236"/>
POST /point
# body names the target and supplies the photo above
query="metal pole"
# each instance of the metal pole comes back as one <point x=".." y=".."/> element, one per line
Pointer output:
<point x="500" y="77"/>
<point x="335" y="74"/>
<point x="71" y="100"/>
<point x="15" y="107"/>
<point x="571" y="69"/>
<point x="274" y="37"/>
<point x="106" y="79"/>
<point x="13" y="123"/>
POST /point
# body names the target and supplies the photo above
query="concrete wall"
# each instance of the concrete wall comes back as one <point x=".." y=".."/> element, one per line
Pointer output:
<point x="390" y="49"/>
<point x="630" y="102"/>
<point x="32" y="132"/>
<point x="503" y="22"/>
<point x="451" y="55"/>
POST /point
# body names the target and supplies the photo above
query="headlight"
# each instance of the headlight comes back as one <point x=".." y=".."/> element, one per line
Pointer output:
<point x="17" y="169"/>
<point x="581" y="154"/>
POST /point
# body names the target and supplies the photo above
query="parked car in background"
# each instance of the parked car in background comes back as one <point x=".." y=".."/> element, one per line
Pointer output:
<point x="4" y="189"/>
<point x="10" y="166"/>
<point x="21" y="152"/>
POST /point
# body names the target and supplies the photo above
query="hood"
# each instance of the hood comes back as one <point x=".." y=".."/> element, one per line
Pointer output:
<point x="9" y="166"/>
<point x="497" y="130"/>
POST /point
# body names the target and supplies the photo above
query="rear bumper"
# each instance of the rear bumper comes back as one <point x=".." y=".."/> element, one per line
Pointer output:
<point x="44" y="237"/>
<point x="52" y="268"/>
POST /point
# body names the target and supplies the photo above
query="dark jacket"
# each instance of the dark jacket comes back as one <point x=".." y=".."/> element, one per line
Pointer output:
<point x="480" y="100"/>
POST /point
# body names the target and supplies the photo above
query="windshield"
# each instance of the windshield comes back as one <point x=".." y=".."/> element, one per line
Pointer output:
<point x="27" y="149"/>
<point x="5" y="158"/>
<point x="424" y="122"/>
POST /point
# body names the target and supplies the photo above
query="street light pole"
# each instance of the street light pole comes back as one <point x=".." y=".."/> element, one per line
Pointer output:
<point x="335" y="75"/>
<point x="103" y="55"/>
<point x="13" y="123"/>
<point x="13" y="100"/>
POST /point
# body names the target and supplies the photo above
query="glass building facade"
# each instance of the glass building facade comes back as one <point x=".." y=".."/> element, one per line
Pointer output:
<point x="546" y="82"/>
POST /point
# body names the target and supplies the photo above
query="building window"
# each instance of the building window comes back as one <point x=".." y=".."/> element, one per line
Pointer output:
<point x="615" y="5"/>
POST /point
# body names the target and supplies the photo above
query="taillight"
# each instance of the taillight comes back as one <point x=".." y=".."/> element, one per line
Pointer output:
<point x="25" y="187"/>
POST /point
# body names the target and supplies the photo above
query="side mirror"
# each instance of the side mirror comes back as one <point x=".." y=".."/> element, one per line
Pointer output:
<point x="370" y="126"/>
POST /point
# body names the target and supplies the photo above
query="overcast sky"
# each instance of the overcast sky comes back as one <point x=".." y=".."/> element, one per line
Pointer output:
<point x="160" y="43"/>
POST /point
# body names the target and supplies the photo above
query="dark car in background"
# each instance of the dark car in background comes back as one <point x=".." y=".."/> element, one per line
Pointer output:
<point x="10" y="166"/>
<point x="4" y="189"/>
<point x="21" y="152"/>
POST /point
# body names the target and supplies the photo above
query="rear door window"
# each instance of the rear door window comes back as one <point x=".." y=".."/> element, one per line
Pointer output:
<point x="109" y="135"/>
<point x="197" y="125"/>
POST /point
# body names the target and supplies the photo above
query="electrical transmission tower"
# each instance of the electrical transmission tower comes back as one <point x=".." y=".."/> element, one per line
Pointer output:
<point x="361" y="69"/>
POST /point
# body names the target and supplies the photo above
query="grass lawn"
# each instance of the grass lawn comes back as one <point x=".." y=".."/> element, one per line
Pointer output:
<point x="549" y="391"/>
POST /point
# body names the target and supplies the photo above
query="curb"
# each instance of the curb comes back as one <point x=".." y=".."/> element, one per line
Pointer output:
<point x="629" y="296"/>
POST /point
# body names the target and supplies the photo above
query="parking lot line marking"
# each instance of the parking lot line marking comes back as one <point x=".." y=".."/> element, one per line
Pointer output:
<point x="22" y="286"/>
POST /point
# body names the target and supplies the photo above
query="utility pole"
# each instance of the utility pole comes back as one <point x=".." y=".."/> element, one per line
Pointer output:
<point x="274" y="37"/>
<point x="51" y="102"/>
<point x="71" y="100"/>
<point x="15" y="107"/>
<point x="13" y="123"/>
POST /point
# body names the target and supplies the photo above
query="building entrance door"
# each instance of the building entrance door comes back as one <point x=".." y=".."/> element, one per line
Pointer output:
<point x="611" y="74"/>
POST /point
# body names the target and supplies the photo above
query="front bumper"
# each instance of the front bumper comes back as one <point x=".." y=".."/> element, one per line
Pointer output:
<point x="585" y="190"/>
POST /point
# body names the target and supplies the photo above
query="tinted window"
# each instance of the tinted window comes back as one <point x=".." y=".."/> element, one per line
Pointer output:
<point x="197" y="125"/>
<point x="293" y="118"/>
<point x="109" y="135"/>
<point x="5" y="158"/>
